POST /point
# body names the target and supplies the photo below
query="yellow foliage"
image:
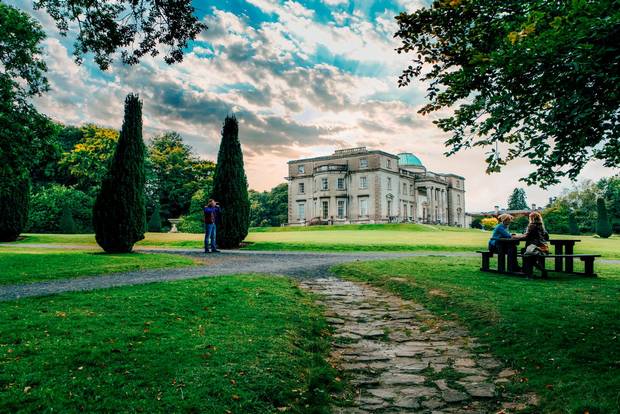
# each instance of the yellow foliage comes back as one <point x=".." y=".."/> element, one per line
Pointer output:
<point x="489" y="223"/>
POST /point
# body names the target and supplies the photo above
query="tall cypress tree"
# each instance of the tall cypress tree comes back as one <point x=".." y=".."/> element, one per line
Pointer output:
<point x="119" y="214"/>
<point x="603" y="226"/>
<point x="230" y="188"/>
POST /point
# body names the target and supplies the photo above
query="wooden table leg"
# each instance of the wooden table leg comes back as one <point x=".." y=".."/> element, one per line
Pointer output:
<point x="501" y="261"/>
<point x="568" y="266"/>
<point x="559" y="249"/>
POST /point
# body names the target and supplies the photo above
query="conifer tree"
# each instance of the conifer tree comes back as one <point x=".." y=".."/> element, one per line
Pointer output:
<point x="119" y="213"/>
<point x="67" y="224"/>
<point x="517" y="200"/>
<point x="154" y="224"/>
<point x="230" y="188"/>
<point x="573" y="227"/>
<point x="603" y="226"/>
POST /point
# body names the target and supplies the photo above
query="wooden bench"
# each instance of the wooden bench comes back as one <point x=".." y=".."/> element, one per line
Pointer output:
<point x="587" y="259"/>
<point x="486" y="256"/>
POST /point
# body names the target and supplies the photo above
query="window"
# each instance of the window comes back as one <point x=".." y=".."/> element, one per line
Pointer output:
<point x="324" y="185"/>
<point x="389" y="208"/>
<point x="411" y="211"/>
<point x="363" y="183"/>
<point x="404" y="188"/>
<point x="404" y="209"/>
<point x="341" y="183"/>
<point x="363" y="206"/>
<point x="389" y="183"/>
<point x="411" y="190"/>
<point x="301" y="169"/>
<point x="301" y="211"/>
<point x="325" y="209"/>
<point x="389" y="163"/>
<point x="458" y="197"/>
<point x="341" y="206"/>
<point x="363" y="162"/>
<point x="302" y="188"/>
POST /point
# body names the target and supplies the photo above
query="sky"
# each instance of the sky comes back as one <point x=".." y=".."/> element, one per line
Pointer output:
<point x="303" y="78"/>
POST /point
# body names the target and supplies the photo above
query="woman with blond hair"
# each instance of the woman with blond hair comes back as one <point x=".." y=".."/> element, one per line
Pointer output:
<point x="500" y="231"/>
<point x="536" y="238"/>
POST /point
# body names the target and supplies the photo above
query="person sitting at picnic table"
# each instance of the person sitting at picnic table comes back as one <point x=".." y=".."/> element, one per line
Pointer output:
<point x="501" y="232"/>
<point x="536" y="237"/>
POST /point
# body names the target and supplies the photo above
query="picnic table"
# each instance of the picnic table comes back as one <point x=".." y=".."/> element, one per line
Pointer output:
<point x="563" y="254"/>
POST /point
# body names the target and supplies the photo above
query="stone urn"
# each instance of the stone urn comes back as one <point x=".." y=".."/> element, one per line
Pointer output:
<point x="174" y="223"/>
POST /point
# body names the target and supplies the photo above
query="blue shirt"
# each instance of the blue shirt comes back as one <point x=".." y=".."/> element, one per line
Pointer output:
<point x="499" y="232"/>
<point x="211" y="214"/>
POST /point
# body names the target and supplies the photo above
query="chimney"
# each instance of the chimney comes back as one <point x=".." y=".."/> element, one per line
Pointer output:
<point x="533" y="206"/>
<point x="496" y="210"/>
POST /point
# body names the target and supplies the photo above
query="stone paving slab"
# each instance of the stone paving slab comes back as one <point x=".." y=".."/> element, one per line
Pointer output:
<point x="398" y="366"/>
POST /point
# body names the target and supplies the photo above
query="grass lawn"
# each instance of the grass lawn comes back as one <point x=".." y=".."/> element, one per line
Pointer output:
<point x="368" y="237"/>
<point x="562" y="334"/>
<point x="242" y="344"/>
<point x="23" y="265"/>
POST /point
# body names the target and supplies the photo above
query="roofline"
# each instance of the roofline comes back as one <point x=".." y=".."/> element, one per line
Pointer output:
<point x="334" y="156"/>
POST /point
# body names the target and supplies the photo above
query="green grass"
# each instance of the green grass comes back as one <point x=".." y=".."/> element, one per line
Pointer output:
<point x="21" y="265"/>
<point x="365" y="237"/>
<point x="243" y="344"/>
<point x="562" y="334"/>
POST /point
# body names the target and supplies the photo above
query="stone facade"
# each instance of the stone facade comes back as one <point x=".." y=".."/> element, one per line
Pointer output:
<point x="367" y="186"/>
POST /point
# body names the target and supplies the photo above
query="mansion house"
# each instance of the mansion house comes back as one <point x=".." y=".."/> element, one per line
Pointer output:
<point x="358" y="185"/>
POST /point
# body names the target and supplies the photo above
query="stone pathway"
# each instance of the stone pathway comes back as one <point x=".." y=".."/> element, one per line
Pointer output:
<point x="402" y="359"/>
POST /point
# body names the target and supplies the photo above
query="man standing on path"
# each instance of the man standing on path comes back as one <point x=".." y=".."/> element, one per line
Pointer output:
<point x="212" y="212"/>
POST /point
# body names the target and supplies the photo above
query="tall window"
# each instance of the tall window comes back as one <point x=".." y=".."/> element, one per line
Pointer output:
<point x="404" y="188"/>
<point x="325" y="209"/>
<point x="301" y="211"/>
<point x="389" y="208"/>
<point x="404" y="210"/>
<point x="363" y="183"/>
<point x="301" y="169"/>
<point x="411" y="189"/>
<point x="341" y="206"/>
<point x="302" y="188"/>
<point x="324" y="185"/>
<point x="411" y="212"/>
<point x="458" y="197"/>
<point x="341" y="183"/>
<point x="389" y="183"/>
<point x="363" y="162"/>
<point x="363" y="206"/>
<point x="389" y="163"/>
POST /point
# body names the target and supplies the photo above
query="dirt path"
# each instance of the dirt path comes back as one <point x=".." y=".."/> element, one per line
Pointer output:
<point x="402" y="359"/>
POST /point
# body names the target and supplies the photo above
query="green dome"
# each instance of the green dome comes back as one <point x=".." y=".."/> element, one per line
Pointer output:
<point x="407" y="158"/>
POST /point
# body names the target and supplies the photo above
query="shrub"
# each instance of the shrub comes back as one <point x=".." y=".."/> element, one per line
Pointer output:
<point x="67" y="224"/>
<point x="603" y="226"/>
<point x="230" y="188"/>
<point x="520" y="223"/>
<point x="489" y="223"/>
<point x="47" y="205"/>
<point x="476" y="223"/>
<point x="194" y="221"/>
<point x="119" y="215"/>
<point x="556" y="219"/>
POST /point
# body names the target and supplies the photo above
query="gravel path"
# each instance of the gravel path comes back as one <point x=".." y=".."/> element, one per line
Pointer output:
<point x="403" y="359"/>
<point x="296" y="264"/>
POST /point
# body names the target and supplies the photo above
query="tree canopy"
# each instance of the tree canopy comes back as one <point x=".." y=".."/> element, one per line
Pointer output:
<point x="136" y="28"/>
<point x="517" y="200"/>
<point x="536" y="78"/>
